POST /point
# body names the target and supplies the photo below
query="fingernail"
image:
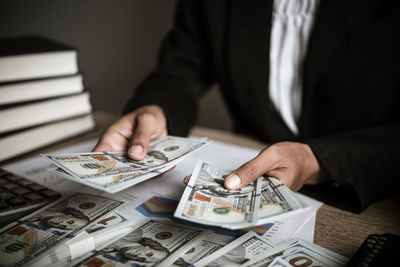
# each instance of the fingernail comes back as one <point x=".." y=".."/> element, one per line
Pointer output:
<point x="135" y="150"/>
<point x="233" y="181"/>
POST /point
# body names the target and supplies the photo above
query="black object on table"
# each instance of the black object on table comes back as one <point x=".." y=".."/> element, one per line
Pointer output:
<point x="20" y="196"/>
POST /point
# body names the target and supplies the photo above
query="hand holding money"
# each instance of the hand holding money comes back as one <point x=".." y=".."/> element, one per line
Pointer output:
<point x="134" y="131"/>
<point x="293" y="163"/>
<point x="206" y="200"/>
<point x="114" y="171"/>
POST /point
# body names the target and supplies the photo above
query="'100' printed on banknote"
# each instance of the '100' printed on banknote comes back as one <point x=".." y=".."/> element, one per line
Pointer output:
<point x="30" y="237"/>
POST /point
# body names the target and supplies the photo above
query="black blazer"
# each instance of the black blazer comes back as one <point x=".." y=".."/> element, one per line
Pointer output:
<point x="351" y="77"/>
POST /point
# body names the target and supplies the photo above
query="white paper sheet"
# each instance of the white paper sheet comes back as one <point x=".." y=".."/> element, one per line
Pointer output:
<point x="170" y="185"/>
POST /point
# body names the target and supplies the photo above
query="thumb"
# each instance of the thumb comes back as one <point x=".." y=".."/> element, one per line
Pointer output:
<point x="143" y="130"/>
<point x="247" y="173"/>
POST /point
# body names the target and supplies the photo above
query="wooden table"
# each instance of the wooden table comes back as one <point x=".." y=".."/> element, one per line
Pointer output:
<point x="337" y="230"/>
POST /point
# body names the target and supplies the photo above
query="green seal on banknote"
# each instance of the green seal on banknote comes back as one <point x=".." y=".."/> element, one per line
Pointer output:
<point x="163" y="235"/>
<point x="221" y="210"/>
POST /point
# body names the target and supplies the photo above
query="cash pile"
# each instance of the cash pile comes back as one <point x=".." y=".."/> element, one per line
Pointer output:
<point x="162" y="243"/>
<point x="107" y="228"/>
<point x="237" y="252"/>
<point x="252" y="250"/>
<point x="115" y="171"/>
<point x="88" y="230"/>
<point x="154" y="243"/>
<point x="207" y="201"/>
<point x="297" y="252"/>
<point x="48" y="230"/>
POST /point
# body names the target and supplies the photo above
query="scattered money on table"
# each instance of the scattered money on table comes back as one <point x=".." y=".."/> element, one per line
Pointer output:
<point x="114" y="171"/>
<point x="237" y="252"/>
<point x="89" y="230"/>
<point x="29" y="238"/>
<point x="296" y="252"/>
<point x="103" y="230"/>
<point x="279" y="262"/>
<point x="148" y="245"/>
<point x="207" y="245"/>
<point x="206" y="200"/>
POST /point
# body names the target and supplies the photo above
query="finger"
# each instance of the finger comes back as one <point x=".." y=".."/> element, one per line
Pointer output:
<point x="111" y="141"/>
<point x="144" y="129"/>
<point x="186" y="179"/>
<point x="250" y="171"/>
<point x="102" y="144"/>
<point x="102" y="147"/>
<point x="116" y="137"/>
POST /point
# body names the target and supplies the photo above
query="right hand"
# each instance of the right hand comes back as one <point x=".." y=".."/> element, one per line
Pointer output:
<point x="133" y="132"/>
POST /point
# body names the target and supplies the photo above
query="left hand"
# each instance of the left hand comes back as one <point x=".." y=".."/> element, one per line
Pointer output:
<point x="293" y="163"/>
<point x="133" y="132"/>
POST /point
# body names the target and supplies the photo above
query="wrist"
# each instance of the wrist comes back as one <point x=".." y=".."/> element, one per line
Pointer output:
<point x="317" y="173"/>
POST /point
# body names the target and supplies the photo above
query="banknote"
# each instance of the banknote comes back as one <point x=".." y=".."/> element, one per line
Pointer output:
<point x="206" y="246"/>
<point x="237" y="252"/>
<point x="112" y="220"/>
<point x="147" y="245"/>
<point x="298" y="251"/>
<point x="103" y="230"/>
<point x="161" y="152"/>
<point x="207" y="201"/>
<point x="37" y="233"/>
<point x="114" y="183"/>
<point x="277" y="200"/>
<point x="279" y="262"/>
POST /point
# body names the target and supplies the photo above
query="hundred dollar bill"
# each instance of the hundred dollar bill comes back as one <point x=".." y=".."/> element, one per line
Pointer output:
<point x="276" y="200"/>
<point x="298" y="251"/>
<point x="147" y="245"/>
<point x="103" y="230"/>
<point x="279" y="262"/>
<point x="113" y="183"/>
<point x="237" y="252"/>
<point x="161" y="152"/>
<point x="206" y="200"/>
<point x="206" y="246"/>
<point x="41" y="231"/>
<point x="114" y="220"/>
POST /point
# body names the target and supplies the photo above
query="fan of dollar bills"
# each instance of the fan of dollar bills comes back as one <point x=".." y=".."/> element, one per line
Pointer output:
<point x="206" y="200"/>
<point x="114" y="171"/>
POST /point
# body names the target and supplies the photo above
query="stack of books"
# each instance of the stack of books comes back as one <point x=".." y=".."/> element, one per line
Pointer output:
<point x="42" y="96"/>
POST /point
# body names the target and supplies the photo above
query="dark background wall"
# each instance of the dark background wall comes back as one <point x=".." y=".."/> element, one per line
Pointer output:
<point x="117" y="41"/>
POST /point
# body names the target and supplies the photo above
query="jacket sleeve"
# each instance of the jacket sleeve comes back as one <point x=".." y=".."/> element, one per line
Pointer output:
<point x="361" y="154"/>
<point x="363" y="164"/>
<point x="183" y="71"/>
